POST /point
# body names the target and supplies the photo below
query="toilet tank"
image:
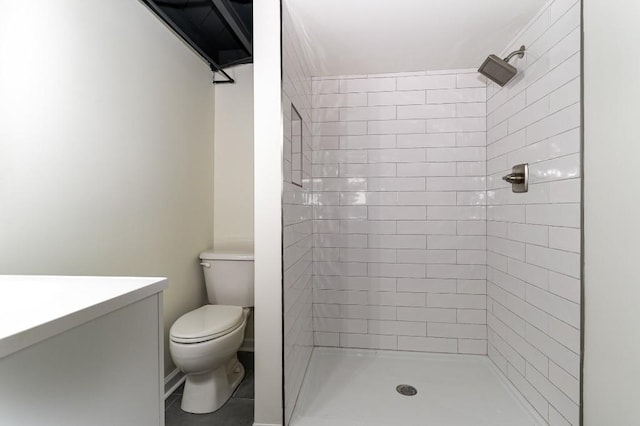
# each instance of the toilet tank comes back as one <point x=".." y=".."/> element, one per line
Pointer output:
<point x="228" y="277"/>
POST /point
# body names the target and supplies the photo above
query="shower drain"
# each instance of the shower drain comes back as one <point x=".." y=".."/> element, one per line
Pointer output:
<point x="406" y="390"/>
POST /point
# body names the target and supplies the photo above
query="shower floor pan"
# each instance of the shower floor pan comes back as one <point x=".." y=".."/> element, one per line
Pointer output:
<point x="347" y="387"/>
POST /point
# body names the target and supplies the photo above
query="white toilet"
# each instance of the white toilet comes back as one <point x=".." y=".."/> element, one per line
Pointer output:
<point x="204" y="342"/>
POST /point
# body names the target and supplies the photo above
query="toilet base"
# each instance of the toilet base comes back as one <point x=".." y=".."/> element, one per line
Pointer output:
<point x="207" y="392"/>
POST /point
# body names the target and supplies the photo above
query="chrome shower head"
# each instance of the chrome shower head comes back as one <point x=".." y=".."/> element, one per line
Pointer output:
<point x="499" y="70"/>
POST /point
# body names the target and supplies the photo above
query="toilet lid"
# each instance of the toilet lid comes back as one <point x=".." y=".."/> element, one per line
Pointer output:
<point x="206" y="323"/>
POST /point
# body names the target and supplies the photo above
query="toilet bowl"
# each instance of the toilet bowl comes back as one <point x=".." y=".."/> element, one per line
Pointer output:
<point x="204" y="343"/>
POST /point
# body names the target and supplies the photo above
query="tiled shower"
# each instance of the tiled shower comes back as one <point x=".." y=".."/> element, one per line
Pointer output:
<point x="404" y="237"/>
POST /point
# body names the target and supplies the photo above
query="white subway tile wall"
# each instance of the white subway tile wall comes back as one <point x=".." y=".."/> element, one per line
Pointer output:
<point x="533" y="239"/>
<point x="399" y="181"/>
<point x="297" y="216"/>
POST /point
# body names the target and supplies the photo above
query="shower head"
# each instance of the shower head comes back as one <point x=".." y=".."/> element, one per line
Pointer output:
<point x="499" y="70"/>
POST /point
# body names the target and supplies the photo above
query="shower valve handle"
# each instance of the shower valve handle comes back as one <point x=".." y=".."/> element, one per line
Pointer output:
<point x="514" y="178"/>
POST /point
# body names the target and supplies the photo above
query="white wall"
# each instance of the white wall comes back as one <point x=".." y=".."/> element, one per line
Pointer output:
<point x="233" y="166"/>
<point x="612" y="209"/>
<point x="106" y="146"/>
<point x="268" y="145"/>
<point x="533" y="239"/>
<point x="399" y="167"/>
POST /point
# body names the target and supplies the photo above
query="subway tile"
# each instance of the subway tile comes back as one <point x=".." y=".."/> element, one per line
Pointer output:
<point x="471" y="168"/>
<point x="567" y="239"/>
<point x="339" y="241"/>
<point x="343" y="297"/>
<point x="478" y="286"/>
<point x="564" y="286"/>
<point x="422" y="285"/>
<point x="367" y="255"/>
<point x="396" y="184"/>
<point x="368" y="312"/>
<point x="363" y="198"/>
<point x="472" y="316"/>
<point x="367" y="113"/>
<point x="367" y="142"/>
<point x="396" y="270"/>
<point x="554" y="214"/>
<point x="559" y="122"/>
<point x="533" y="234"/>
<point x="339" y="156"/>
<point x="398" y="241"/>
<point x="350" y="269"/>
<point x="326" y="339"/>
<point x="414" y="97"/>
<point x="556" y="352"/>
<point x="556" y="78"/>
<point x="340" y="128"/>
<point x="470" y="80"/>
<point x="531" y="114"/>
<point x="427" y="198"/>
<point x="456" y="242"/>
<point x="428" y="140"/>
<point x="340" y="100"/>
<point x="320" y="143"/>
<point x="456" y="301"/>
<point x="353" y="283"/>
<point x="398" y="328"/>
<point x="456" y="154"/>
<point x="472" y="257"/>
<point x="366" y="170"/>
<point x="426" y="314"/>
<point x="368" y="227"/>
<point x="464" y="183"/>
<point x="427" y="82"/>
<point x="448" y="125"/>
<point x="394" y="127"/>
<point x="427" y="169"/>
<point x="456" y="213"/>
<point x="429" y="227"/>
<point x="477" y="109"/>
<point x="468" y="331"/>
<point x="368" y="85"/>
<point x="429" y="111"/>
<point x="566" y="95"/>
<point x="472" y="228"/>
<point x="342" y="212"/>
<point x="427" y="344"/>
<point x="556" y="306"/>
<point x="452" y="96"/>
<point x="529" y="273"/>
<point x="368" y="341"/>
<point x="397" y="213"/>
<point x="471" y="139"/>
<point x="325" y="86"/>
<point x="396" y="155"/>
<point x="325" y="114"/>
<point x="396" y="299"/>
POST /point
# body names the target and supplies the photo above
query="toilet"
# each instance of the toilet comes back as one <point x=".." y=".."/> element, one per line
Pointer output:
<point x="204" y="342"/>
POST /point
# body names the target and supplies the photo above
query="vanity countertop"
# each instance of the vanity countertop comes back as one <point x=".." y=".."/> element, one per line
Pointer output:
<point x="36" y="307"/>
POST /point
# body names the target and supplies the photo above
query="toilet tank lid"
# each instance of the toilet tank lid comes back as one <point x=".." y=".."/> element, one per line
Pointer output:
<point x="226" y="255"/>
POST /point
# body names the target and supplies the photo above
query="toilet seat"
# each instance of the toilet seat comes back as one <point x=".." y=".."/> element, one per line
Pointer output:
<point x="206" y="323"/>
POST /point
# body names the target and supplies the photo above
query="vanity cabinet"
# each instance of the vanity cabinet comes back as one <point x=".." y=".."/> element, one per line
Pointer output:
<point x="81" y="351"/>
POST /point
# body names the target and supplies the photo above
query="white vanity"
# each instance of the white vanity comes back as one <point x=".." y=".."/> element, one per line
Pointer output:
<point x="81" y="351"/>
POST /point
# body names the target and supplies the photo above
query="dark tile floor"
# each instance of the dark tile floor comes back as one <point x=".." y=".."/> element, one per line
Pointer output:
<point x="238" y="411"/>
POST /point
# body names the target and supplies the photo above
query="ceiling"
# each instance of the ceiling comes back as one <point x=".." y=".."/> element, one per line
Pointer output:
<point x="375" y="36"/>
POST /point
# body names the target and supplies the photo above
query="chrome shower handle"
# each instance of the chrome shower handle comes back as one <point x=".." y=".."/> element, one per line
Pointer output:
<point x="514" y="178"/>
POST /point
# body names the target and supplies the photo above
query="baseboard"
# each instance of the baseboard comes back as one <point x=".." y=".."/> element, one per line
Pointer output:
<point x="247" y="345"/>
<point x="172" y="382"/>
<point x="267" y="424"/>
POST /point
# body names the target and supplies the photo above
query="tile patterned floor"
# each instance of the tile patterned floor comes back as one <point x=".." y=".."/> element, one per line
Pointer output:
<point x="238" y="411"/>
